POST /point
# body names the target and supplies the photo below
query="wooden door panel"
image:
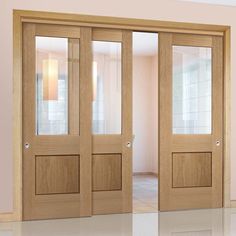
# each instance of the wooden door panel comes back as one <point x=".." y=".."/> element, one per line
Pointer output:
<point x="57" y="164"/>
<point x="192" y="170"/>
<point x="107" y="144"/>
<point x="109" y="35"/>
<point x="58" y="31"/>
<point x="190" y="121"/>
<point x="86" y="121"/>
<point x="191" y="143"/>
<point x="107" y="172"/>
<point x="74" y="86"/>
<point x="112" y="158"/>
<point x="54" y="206"/>
<point x="59" y="160"/>
<point x="52" y="145"/>
<point x="57" y="174"/>
<point x="192" y="40"/>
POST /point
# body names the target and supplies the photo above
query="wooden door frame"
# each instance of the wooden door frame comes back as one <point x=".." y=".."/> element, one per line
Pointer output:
<point x="21" y="16"/>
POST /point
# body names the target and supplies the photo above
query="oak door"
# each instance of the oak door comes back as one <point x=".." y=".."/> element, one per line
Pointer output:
<point x="190" y="121"/>
<point x="57" y="91"/>
<point x="112" y="121"/>
<point x="77" y="121"/>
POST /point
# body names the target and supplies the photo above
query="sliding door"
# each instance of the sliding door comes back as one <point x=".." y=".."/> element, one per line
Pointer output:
<point x="190" y="121"/>
<point x="112" y="121"/>
<point x="77" y="121"/>
<point x="57" y="123"/>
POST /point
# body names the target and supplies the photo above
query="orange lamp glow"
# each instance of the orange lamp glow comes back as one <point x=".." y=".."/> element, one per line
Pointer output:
<point x="50" y="79"/>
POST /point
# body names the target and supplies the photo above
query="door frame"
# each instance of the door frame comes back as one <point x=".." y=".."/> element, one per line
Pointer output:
<point x="21" y="16"/>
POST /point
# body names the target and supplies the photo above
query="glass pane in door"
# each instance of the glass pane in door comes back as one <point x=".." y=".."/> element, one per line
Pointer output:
<point x="192" y="90"/>
<point x="106" y="87"/>
<point x="51" y="86"/>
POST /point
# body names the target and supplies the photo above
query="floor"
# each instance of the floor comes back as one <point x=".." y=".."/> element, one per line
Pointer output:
<point x="145" y="193"/>
<point x="207" y="222"/>
<point x="216" y="222"/>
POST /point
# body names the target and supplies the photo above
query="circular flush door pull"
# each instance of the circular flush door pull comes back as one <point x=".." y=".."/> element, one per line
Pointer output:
<point x="218" y="143"/>
<point x="27" y="145"/>
<point x="128" y="144"/>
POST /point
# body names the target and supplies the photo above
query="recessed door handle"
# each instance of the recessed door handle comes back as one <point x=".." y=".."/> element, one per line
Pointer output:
<point x="128" y="144"/>
<point x="27" y="145"/>
<point x="217" y="143"/>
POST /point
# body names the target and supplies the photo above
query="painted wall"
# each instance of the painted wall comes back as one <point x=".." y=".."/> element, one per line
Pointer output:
<point x="148" y="9"/>
<point x="145" y="128"/>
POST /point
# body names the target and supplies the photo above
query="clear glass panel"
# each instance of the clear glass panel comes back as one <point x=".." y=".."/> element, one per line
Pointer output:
<point x="51" y="86"/>
<point x="192" y="89"/>
<point x="106" y="87"/>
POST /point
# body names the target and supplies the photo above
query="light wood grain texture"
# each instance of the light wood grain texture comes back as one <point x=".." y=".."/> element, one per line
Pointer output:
<point x="107" y="171"/>
<point x="53" y="145"/>
<point x="190" y="143"/>
<point x="56" y="206"/>
<point x="191" y="170"/>
<point x="127" y="120"/>
<point x="57" y="174"/>
<point x="86" y="121"/>
<point x="227" y="114"/>
<point x="107" y="35"/>
<point x="217" y="120"/>
<point x="42" y="177"/>
<point x="29" y="72"/>
<point x="105" y="202"/>
<point x="119" y="23"/>
<point x="164" y="118"/>
<point x="107" y="144"/>
<point x="17" y="117"/>
<point x="172" y="198"/>
<point x="74" y="86"/>
<point x="57" y="31"/>
<point x="192" y="40"/>
<point x="127" y="27"/>
<point x="6" y="217"/>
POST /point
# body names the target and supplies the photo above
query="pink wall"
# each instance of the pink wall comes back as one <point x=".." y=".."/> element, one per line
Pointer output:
<point x="149" y="9"/>
<point x="145" y="108"/>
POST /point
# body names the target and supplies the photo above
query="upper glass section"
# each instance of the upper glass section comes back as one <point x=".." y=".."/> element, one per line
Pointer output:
<point x="106" y="87"/>
<point x="51" y="86"/>
<point x="192" y="90"/>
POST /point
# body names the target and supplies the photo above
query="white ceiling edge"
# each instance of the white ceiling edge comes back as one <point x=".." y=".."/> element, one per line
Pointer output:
<point x="214" y="2"/>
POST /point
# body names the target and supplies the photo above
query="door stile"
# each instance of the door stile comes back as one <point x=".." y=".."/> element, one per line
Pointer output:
<point x="29" y="117"/>
<point x="74" y="86"/>
<point x="165" y="120"/>
<point x="127" y="130"/>
<point x="86" y="121"/>
<point x="217" y="121"/>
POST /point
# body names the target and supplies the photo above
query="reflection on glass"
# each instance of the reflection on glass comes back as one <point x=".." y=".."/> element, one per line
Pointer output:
<point x="192" y="90"/>
<point x="51" y="86"/>
<point x="106" y="87"/>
